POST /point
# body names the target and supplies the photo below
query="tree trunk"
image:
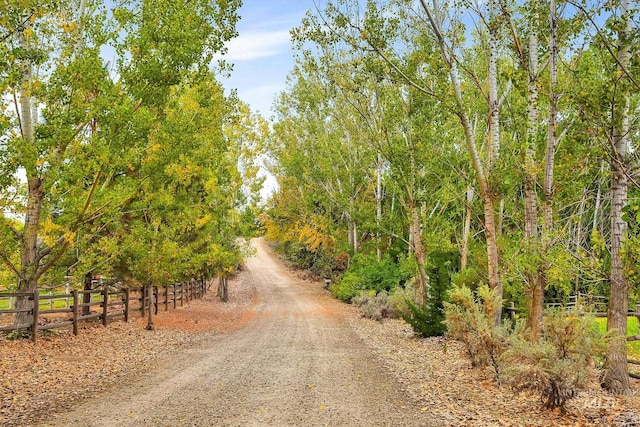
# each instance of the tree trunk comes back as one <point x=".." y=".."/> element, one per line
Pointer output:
<point x="464" y="250"/>
<point x="578" y="232"/>
<point x="86" y="297"/>
<point x="492" y="250"/>
<point x="353" y="235"/>
<point x="547" y="207"/>
<point x="492" y="229"/>
<point x="223" y="289"/>
<point x="534" y="280"/>
<point x="29" y="261"/>
<point x="616" y="377"/>
<point x="500" y="218"/>
<point x="494" y="105"/>
<point x="150" y="324"/>
<point x="476" y="162"/>
<point x="423" y="280"/>
<point x="355" y="238"/>
<point x="24" y="319"/>
<point x="379" y="207"/>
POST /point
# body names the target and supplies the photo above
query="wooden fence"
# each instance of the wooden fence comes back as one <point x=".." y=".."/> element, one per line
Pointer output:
<point x="110" y="301"/>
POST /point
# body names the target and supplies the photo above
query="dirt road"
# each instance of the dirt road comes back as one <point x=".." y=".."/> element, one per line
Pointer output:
<point x="297" y="363"/>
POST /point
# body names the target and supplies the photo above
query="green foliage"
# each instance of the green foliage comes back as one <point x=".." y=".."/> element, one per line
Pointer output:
<point x="366" y="273"/>
<point x="424" y="320"/>
<point x="427" y="319"/>
<point x="557" y="365"/>
<point x="140" y="165"/>
<point x="471" y="319"/>
<point x="633" y="328"/>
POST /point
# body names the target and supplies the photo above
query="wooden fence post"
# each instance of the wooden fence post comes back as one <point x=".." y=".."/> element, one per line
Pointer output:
<point x="512" y="311"/>
<point x="75" y="312"/>
<point x="105" y="304"/>
<point x="36" y="314"/>
<point x="143" y="299"/>
<point x="166" y="298"/>
<point x="126" y="305"/>
<point x="173" y="289"/>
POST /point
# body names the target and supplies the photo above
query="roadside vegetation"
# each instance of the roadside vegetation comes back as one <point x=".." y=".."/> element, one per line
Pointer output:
<point x="445" y="162"/>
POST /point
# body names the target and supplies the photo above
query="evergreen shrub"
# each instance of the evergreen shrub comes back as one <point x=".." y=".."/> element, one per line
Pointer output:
<point x="428" y="319"/>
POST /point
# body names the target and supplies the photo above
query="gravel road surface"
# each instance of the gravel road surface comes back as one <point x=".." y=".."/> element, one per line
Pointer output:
<point x="296" y="363"/>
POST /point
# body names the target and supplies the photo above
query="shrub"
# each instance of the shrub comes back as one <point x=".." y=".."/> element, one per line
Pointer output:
<point x="559" y="363"/>
<point x="423" y="319"/>
<point x="350" y="285"/>
<point x="367" y="273"/>
<point x="399" y="296"/>
<point x="427" y="320"/>
<point x="375" y="306"/>
<point x="470" y="320"/>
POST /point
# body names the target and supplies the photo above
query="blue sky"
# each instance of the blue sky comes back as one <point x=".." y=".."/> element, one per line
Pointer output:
<point x="262" y="53"/>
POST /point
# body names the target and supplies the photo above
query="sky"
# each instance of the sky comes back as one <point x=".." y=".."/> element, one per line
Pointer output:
<point x="262" y="54"/>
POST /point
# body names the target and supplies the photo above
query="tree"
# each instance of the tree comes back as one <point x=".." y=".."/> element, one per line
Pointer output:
<point x="617" y="373"/>
<point x="78" y="131"/>
<point x="372" y="32"/>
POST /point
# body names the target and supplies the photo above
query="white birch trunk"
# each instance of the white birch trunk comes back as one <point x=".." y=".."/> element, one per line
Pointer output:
<point x="487" y="197"/>
<point x="379" y="207"/>
<point x="616" y="377"/>
<point x="547" y="208"/>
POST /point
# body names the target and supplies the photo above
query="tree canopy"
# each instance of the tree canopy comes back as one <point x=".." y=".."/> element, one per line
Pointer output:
<point x="121" y="155"/>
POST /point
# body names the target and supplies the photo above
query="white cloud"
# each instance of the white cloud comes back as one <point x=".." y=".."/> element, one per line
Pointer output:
<point x="260" y="98"/>
<point x="249" y="46"/>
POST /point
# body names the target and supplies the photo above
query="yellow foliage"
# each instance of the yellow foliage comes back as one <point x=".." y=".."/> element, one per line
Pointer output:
<point x="51" y="232"/>
<point x="200" y="222"/>
<point x="314" y="238"/>
<point x="68" y="27"/>
<point x="312" y="232"/>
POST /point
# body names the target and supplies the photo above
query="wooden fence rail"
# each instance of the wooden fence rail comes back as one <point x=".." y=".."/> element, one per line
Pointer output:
<point x="112" y="302"/>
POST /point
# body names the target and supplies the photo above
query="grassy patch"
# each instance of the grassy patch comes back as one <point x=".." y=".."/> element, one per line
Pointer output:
<point x="633" y="347"/>
<point x="44" y="304"/>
